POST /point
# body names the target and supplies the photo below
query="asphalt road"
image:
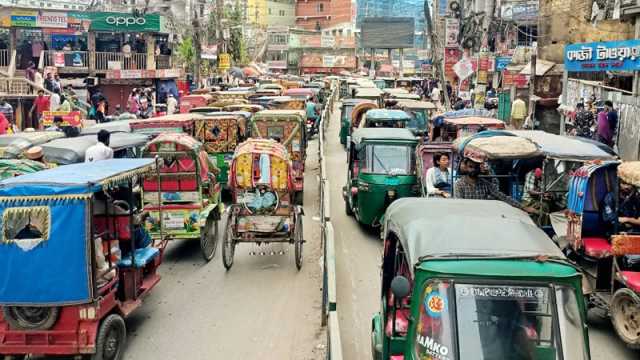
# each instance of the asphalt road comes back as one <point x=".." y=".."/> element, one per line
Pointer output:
<point x="358" y="253"/>
<point x="263" y="308"/>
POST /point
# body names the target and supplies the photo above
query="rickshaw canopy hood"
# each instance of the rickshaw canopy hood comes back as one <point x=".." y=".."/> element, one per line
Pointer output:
<point x="629" y="172"/>
<point x="274" y="115"/>
<point x="262" y="146"/>
<point x="188" y="142"/>
<point x="568" y="148"/>
<point x="413" y="104"/>
<point x="382" y="134"/>
<point x="496" y="144"/>
<point x="83" y="178"/>
<point x="368" y="92"/>
<point x="432" y="229"/>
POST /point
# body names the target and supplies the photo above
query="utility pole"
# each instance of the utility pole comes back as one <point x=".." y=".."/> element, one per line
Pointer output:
<point x="435" y="57"/>
<point x="532" y="86"/>
<point x="197" y="45"/>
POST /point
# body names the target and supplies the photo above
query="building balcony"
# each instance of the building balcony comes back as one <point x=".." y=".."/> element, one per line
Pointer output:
<point x="120" y="61"/>
<point x="66" y="61"/>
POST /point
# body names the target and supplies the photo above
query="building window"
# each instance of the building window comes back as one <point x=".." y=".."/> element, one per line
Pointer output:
<point x="320" y="7"/>
<point x="269" y="11"/>
<point x="201" y="10"/>
<point x="282" y="13"/>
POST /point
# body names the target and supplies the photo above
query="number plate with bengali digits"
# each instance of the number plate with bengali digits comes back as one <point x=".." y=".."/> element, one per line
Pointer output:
<point x="391" y="181"/>
<point x="173" y="220"/>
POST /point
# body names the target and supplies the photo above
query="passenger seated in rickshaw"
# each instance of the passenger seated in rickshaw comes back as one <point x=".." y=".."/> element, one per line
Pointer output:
<point x="471" y="186"/>
<point x="534" y="197"/>
<point x="629" y="218"/>
<point x="439" y="177"/>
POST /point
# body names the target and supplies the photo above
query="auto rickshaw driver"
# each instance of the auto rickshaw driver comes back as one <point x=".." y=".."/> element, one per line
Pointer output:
<point x="629" y="217"/>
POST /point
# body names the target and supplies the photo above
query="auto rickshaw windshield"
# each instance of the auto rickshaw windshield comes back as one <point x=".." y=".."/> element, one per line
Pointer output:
<point x="389" y="159"/>
<point x="518" y="322"/>
<point x="418" y="119"/>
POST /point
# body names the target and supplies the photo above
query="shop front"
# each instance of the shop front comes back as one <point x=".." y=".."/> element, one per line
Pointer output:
<point x="320" y="62"/>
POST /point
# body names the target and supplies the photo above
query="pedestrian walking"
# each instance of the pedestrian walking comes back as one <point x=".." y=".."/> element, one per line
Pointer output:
<point x="40" y="105"/>
<point x="584" y="121"/>
<point x="607" y="124"/>
<point x="518" y="113"/>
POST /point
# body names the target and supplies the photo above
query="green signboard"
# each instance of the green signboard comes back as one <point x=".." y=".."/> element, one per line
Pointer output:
<point x="119" y="22"/>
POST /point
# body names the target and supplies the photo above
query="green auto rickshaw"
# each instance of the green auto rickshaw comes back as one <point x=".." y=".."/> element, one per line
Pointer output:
<point x="475" y="279"/>
<point x="346" y="110"/>
<point x="381" y="169"/>
<point x="386" y="118"/>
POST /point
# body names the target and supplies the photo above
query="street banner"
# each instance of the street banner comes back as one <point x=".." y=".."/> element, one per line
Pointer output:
<point x="71" y="118"/>
<point x="463" y="68"/>
<point x="603" y="56"/>
<point x="451" y="57"/>
<point x="452" y="28"/>
<point x="502" y="62"/>
<point x="58" y="59"/>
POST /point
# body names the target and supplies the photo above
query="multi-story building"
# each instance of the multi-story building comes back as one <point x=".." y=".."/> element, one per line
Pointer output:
<point x="256" y="13"/>
<point x="78" y="5"/>
<point x="395" y="8"/>
<point x="323" y="14"/>
<point x="281" y="13"/>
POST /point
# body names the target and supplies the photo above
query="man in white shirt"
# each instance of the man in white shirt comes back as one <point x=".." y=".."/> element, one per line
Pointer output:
<point x="54" y="100"/>
<point x="172" y="104"/>
<point x="435" y="94"/>
<point x="101" y="150"/>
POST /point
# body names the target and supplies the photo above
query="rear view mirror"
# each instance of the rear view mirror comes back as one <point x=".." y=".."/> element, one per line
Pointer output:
<point x="400" y="287"/>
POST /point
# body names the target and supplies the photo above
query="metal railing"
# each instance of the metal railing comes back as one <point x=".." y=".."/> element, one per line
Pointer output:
<point x="329" y="292"/>
<point x="5" y="58"/>
<point x="163" y="62"/>
<point x="70" y="59"/>
<point x="132" y="61"/>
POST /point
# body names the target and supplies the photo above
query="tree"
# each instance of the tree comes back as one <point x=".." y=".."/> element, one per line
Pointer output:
<point x="186" y="52"/>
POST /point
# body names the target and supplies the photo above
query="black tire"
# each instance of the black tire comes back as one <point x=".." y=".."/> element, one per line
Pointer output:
<point x="228" y="244"/>
<point x="111" y="338"/>
<point x="298" y="241"/>
<point x="298" y="198"/>
<point x="347" y="208"/>
<point x="31" y="317"/>
<point x="209" y="236"/>
<point x="625" y="316"/>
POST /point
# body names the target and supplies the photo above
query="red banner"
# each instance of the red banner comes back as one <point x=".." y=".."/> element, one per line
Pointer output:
<point x="72" y="118"/>
<point x="451" y="57"/>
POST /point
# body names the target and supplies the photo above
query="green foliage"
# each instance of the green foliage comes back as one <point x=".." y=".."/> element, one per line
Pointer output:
<point x="186" y="52"/>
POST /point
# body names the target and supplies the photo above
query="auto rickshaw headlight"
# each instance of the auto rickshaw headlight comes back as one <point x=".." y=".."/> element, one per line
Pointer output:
<point x="391" y="193"/>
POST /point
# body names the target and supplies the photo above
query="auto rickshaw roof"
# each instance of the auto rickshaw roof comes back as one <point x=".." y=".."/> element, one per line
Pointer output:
<point x="172" y="117"/>
<point x="387" y="115"/>
<point x="406" y="96"/>
<point x="497" y="144"/>
<point x="75" y="179"/>
<point x="368" y="92"/>
<point x="66" y="151"/>
<point x="382" y="134"/>
<point x="464" y="113"/>
<point x="204" y="109"/>
<point x="474" y="120"/>
<point x="430" y="228"/>
<point x="111" y="127"/>
<point x="569" y="148"/>
<point x="207" y="97"/>
<point x="32" y="138"/>
<point x="299" y="92"/>
<point x="395" y="91"/>
<point x="354" y="101"/>
<point x="629" y="172"/>
<point x="220" y="114"/>
<point x="414" y="104"/>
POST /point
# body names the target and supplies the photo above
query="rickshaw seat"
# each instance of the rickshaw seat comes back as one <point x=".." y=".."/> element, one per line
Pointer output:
<point x="397" y="357"/>
<point x="402" y="322"/>
<point x="122" y="229"/>
<point x="597" y="247"/>
<point x="141" y="257"/>
<point x="632" y="279"/>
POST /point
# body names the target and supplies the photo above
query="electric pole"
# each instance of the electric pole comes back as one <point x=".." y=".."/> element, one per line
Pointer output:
<point x="435" y="57"/>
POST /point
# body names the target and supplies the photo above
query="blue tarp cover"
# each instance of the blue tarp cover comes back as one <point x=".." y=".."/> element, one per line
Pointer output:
<point x="56" y="271"/>
<point x="71" y="179"/>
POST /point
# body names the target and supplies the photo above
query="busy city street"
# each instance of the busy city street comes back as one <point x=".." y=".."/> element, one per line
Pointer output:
<point x="320" y="179"/>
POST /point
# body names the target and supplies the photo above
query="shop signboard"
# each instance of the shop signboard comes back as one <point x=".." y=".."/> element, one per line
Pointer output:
<point x="452" y="27"/>
<point x="24" y="18"/>
<point x="58" y="59"/>
<point x="327" y="41"/>
<point x="277" y="64"/>
<point x="224" y="61"/>
<point x="119" y="22"/>
<point x="502" y="62"/>
<point x="50" y="19"/>
<point x="603" y="56"/>
<point x="69" y="118"/>
<point x="328" y="60"/>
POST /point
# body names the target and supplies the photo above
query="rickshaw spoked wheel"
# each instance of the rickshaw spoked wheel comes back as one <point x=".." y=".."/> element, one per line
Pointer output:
<point x="625" y="316"/>
<point x="298" y="240"/>
<point x="112" y="335"/>
<point x="31" y="317"/>
<point x="209" y="236"/>
<point x="228" y="243"/>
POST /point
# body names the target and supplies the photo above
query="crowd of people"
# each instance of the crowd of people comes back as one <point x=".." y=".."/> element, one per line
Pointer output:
<point x="594" y="122"/>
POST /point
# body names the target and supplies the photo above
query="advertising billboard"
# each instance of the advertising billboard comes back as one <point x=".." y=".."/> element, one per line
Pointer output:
<point x="387" y="32"/>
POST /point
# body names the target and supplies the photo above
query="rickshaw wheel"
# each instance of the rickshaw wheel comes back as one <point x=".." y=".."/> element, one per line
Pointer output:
<point x="209" y="239"/>
<point x="111" y="338"/>
<point x="625" y="316"/>
<point x="228" y="245"/>
<point x="298" y="240"/>
<point x="30" y="317"/>
<point x="347" y="208"/>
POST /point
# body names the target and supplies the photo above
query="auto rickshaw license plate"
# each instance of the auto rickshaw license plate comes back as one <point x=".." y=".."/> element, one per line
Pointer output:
<point x="392" y="181"/>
